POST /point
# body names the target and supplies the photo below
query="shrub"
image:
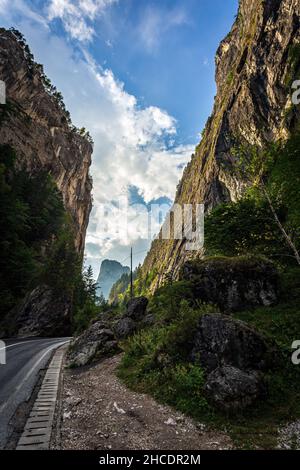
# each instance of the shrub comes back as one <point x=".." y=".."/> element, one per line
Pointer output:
<point x="156" y="360"/>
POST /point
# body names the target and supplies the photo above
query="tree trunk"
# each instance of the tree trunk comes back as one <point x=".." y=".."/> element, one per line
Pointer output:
<point x="281" y="227"/>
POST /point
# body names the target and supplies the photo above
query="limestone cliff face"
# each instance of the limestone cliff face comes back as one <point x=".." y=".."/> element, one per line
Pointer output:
<point x="254" y="71"/>
<point x="38" y="127"/>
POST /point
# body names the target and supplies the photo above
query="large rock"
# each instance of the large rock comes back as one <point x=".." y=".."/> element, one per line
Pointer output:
<point x="222" y="340"/>
<point x="93" y="344"/>
<point x="232" y="284"/>
<point x="234" y="358"/>
<point x="136" y="308"/>
<point x="43" y="313"/>
<point x="134" y="318"/>
<point x="231" y="389"/>
<point x="125" y="327"/>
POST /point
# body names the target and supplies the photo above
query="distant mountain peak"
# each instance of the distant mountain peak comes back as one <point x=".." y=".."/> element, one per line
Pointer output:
<point x="110" y="272"/>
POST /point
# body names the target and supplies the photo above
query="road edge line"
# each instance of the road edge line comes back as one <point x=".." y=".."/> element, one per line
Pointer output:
<point x="38" y="428"/>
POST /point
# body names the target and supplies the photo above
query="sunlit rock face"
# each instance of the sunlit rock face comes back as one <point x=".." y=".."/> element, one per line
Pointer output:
<point x="253" y="76"/>
<point x="37" y="127"/>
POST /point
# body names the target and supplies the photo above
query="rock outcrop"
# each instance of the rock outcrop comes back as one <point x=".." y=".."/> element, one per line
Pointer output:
<point x="43" y="313"/>
<point x="101" y="338"/>
<point x="134" y="318"/>
<point x="110" y="272"/>
<point x="232" y="389"/>
<point x="36" y="124"/>
<point x="234" y="357"/>
<point x="233" y="284"/>
<point x="96" y="342"/>
<point x="136" y="308"/>
<point x="254" y="72"/>
<point x="125" y="327"/>
<point x="221" y="340"/>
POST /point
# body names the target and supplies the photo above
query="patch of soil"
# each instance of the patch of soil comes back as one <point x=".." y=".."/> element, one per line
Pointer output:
<point x="100" y="413"/>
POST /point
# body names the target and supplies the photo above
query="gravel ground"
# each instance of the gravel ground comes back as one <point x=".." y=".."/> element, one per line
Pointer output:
<point x="289" y="436"/>
<point x="100" y="413"/>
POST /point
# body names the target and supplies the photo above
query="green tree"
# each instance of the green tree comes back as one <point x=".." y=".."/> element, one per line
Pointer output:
<point x="257" y="165"/>
<point x="31" y="212"/>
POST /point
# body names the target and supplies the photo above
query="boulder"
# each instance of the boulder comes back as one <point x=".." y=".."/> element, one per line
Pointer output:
<point x="232" y="284"/>
<point x="136" y="308"/>
<point x="148" y="320"/>
<point x="125" y="327"/>
<point x="43" y="313"/>
<point x="230" y="388"/>
<point x="221" y="340"/>
<point x="93" y="344"/>
<point x="234" y="358"/>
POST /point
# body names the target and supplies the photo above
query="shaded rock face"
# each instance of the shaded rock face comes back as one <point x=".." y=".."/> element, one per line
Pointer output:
<point x="221" y="340"/>
<point x="252" y="75"/>
<point x="234" y="357"/>
<point x="232" y="389"/>
<point x="232" y="284"/>
<point x="96" y="342"/>
<point x="101" y="338"/>
<point x="37" y="128"/>
<point x="110" y="272"/>
<point x="136" y="308"/>
<point x="125" y="327"/>
<point x="43" y="313"/>
<point x="134" y="318"/>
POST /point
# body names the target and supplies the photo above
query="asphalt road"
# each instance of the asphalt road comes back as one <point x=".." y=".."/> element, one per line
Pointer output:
<point x="24" y="359"/>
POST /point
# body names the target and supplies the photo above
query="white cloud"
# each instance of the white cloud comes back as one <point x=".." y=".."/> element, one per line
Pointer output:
<point x="134" y="145"/>
<point x="131" y="149"/>
<point x="77" y="15"/>
<point x="156" y="22"/>
<point x="8" y="8"/>
<point x="3" y="5"/>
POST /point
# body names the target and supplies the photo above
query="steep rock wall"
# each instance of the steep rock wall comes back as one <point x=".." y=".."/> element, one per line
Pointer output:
<point x="38" y="128"/>
<point x="253" y="76"/>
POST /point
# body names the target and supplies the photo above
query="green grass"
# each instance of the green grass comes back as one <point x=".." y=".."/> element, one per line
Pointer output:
<point x="156" y="361"/>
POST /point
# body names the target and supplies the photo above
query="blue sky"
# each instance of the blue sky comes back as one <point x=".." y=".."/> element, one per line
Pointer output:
<point x="139" y="74"/>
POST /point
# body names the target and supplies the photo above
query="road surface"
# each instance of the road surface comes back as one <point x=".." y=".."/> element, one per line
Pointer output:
<point x="24" y="359"/>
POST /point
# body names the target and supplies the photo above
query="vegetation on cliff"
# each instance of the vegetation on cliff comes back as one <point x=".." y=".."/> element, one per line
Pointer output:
<point x="37" y="242"/>
<point x="48" y="86"/>
<point x="156" y="359"/>
<point x="249" y="226"/>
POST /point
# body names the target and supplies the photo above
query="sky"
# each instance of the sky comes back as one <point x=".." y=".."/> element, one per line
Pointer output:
<point x="139" y="75"/>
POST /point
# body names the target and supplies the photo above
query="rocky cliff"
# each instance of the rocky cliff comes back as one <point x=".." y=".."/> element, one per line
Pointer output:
<point x="255" y="67"/>
<point x="110" y="272"/>
<point x="36" y="124"/>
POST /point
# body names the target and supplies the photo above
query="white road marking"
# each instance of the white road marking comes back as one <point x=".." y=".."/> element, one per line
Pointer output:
<point x="23" y="342"/>
<point x="56" y="345"/>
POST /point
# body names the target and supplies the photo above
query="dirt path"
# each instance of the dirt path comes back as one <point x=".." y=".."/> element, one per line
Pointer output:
<point x="99" y="412"/>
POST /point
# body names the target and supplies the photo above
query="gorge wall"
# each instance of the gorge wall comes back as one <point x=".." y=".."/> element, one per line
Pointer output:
<point x="36" y="124"/>
<point x="254" y="69"/>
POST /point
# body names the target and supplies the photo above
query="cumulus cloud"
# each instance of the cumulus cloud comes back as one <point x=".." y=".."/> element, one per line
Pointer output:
<point x="135" y="145"/>
<point x="77" y="16"/>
